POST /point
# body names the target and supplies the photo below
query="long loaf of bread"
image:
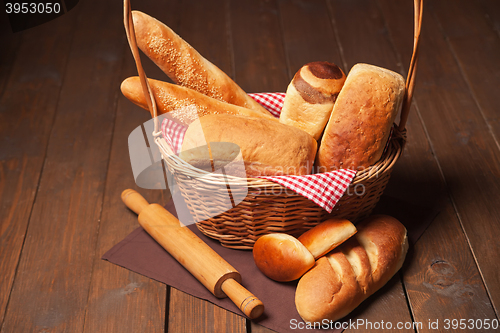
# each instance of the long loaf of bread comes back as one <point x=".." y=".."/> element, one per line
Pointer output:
<point x="265" y="147"/>
<point x="186" y="66"/>
<point x="352" y="272"/>
<point x="183" y="104"/>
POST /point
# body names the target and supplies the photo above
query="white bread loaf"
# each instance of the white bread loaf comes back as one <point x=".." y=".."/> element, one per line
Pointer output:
<point x="268" y="148"/>
<point x="282" y="257"/>
<point x="326" y="236"/>
<point x="352" y="272"/>
<point x="310" y="97"/>
<point x="183" y="104"/>
<point x="184" y="65"/>
<point x="361" y="120"/>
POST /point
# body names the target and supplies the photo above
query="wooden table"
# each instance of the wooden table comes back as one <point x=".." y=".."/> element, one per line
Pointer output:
<point x="64" y="157"/>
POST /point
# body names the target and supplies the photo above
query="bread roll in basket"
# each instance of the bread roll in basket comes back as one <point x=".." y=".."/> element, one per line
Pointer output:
<point x="268" y="207"/>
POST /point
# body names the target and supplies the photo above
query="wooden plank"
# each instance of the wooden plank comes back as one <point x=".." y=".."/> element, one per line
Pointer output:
<point x="204" y="26"/>
<point x="482" y="76"/>
<point x="52" y="283"/>
<point x="477" y="50"/>
<point x="491" y="10"/>
<point x="259" y="56"/>
<point x="10" y="43"/>
<point x="121" y="300"/>
<point x="308" y="34"/>
<point x="195" y="315"/>
<point x="443" y="281"/>
<point x="30" y="89"/>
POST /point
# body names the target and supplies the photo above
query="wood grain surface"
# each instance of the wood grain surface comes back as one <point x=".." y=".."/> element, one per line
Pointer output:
<point x="64" y="155"/>
<point x="31" y="88"/>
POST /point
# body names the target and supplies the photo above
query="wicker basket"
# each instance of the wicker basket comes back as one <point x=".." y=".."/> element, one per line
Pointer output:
<point x="269" y="207"/>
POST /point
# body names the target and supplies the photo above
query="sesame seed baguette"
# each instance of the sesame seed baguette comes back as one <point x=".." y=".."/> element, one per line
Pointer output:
<point x="184" y="65"/>
<point x="184" y="104"/>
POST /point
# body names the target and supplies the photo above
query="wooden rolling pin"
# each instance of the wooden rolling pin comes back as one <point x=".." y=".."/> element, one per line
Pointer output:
<point x="190" y="251"/>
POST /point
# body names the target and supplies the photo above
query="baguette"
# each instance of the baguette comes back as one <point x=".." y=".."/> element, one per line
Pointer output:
<point x="183" y="104"/>
<point x="268" y="148"/>
<point x="311" y="95"/>
<point x="361" y="120"/>
<point x="184" y="65"/>
<point x="352" y="272"/>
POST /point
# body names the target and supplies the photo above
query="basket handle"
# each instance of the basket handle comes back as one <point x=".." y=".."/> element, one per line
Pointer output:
<point x="150" y="99"/>
<point x="146" y="89"/>
<point x="410" y="80"/>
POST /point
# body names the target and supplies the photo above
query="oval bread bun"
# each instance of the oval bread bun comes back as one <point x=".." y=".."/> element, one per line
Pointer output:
<point x="327" y="235"/>
<point x="282" y="257"/>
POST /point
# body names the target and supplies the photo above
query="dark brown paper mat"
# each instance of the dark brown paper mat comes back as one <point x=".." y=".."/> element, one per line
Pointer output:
<point x="141" y="254"/>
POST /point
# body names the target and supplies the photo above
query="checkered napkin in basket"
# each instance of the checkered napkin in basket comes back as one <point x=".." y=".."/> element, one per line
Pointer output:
<point x="324" y="189"/>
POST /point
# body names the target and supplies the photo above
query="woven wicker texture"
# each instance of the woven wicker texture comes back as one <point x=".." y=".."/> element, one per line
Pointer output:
<point x="269" y="207"/>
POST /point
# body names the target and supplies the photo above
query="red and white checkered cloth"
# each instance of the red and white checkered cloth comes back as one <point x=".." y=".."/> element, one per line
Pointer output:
<point x="173" y="133"/>
<point x="324" y="189"/>
<point x="273" y="102"/>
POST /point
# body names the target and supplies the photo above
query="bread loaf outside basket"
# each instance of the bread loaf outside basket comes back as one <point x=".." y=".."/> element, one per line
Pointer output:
<point x="269" y="207"/>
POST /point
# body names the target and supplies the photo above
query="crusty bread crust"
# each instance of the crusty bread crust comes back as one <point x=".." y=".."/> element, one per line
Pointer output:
<point x="183" y="104"/>
<point x="361" y="120"/>
<point x="330" y="287"/>
<point x="352" y="272"/>
<point x="384" y="240"/>
<point x="184" y="65"/>
<point x="268" y="148"/>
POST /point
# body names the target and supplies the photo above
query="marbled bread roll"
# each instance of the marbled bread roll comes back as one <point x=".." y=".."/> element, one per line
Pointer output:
<point x="310" y="97"/>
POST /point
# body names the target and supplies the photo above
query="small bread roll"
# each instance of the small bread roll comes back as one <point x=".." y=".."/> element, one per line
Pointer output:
<point x="268" y="148"/>
<point x="352" y="272"/>
<point x="282" y="257"/>
<point x="310" y="97"/>
<point x="326" y="236"/>
<point x="183" y="104"/>
<point x="361" y="120"/>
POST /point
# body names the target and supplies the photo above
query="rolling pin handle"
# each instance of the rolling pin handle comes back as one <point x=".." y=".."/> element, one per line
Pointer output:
<point x="156" y="216"/>
<point x="134" y="201"/>
<point x="250" y="305"/>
